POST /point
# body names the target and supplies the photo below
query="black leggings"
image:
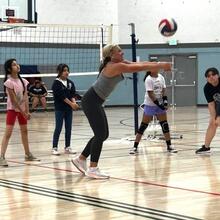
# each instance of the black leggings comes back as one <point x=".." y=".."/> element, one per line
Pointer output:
<point x="92" y="107"/>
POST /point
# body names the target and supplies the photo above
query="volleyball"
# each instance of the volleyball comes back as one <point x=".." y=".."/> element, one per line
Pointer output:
<point x="167" y="27"/>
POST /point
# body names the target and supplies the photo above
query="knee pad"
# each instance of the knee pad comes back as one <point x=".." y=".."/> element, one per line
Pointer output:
<point x="164" y="126"/>
<point x="142" y="128"/>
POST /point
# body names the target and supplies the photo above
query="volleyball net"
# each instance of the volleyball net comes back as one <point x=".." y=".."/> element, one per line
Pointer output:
<point x="40" y="48"/>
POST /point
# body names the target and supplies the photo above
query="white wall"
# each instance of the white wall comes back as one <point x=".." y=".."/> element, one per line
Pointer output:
<point x="78" y="12"/>
<point x="198" y="20"/>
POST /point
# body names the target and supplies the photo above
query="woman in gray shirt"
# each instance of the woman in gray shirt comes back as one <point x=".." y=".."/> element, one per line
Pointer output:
<point x="110" y="74"/>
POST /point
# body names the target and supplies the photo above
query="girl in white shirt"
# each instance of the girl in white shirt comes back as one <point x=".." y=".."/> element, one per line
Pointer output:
<point x="155" y="104"/>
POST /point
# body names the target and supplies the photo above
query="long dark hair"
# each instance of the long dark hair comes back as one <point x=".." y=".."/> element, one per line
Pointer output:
<point x="146" y="75"/>
<point x="8" y="68"/>
<point x="60" y="69"/>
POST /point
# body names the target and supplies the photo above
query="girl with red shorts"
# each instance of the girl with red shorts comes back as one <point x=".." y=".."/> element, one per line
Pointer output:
<point x="17" y="108"/>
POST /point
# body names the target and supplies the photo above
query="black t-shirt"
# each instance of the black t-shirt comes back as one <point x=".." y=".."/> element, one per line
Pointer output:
<point x="212" y="92"/>
<point x="38" y="91"/>
<point x="60" y="92"/>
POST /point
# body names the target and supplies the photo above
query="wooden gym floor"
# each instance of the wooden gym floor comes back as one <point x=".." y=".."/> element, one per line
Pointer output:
<point x="152" y="185"/>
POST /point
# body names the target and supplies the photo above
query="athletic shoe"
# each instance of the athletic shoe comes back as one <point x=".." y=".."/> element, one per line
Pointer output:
<point x="203" y="150"/>
<point x="3" y="162"/>
<point x="94" y="172"/>
<point x="79" y="164"/>
<point x="133" y="151"/>
<point x="69" y="150"/>
<point x="170" y="149"/>
<point x="55" y="152"/>
<point x="30" y="157"/>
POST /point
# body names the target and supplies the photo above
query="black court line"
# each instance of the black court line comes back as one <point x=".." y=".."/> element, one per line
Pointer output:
<point x="97" y="202"/>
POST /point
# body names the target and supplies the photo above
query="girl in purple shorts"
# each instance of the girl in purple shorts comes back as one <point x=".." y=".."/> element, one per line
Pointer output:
<point x="155" y="104"/>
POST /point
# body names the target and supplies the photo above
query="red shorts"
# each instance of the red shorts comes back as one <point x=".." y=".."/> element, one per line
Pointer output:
<point x="12" y="115"/>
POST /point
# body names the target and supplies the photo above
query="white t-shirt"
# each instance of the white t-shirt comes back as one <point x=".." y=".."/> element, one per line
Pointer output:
<point x="155" y="84"/>
<point x="17" y="86"/>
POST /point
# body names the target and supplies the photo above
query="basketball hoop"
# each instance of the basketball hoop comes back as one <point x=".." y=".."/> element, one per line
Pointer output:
<point x="17" y="29"/>
<point x="15" y="20"/>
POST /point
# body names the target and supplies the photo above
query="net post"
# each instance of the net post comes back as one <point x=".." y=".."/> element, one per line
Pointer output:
<point x="135" y="90"/>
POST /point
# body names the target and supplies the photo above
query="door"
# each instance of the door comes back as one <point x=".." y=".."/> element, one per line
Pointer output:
<point x="181" y="82"/>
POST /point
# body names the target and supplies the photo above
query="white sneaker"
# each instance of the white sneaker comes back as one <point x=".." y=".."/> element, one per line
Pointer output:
<point x="95" y="173"/>
<point x="170" y="149"/>
<point x="55" y="152"/>
<point x="133" y="151"/>
<point x="69" y="150"/>
<point x="3" y="162"/>
<point x="79" y="164"/>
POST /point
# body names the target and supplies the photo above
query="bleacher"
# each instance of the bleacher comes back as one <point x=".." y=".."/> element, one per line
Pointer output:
<point x="34" y="69"/>
<point x="49" y="98"/>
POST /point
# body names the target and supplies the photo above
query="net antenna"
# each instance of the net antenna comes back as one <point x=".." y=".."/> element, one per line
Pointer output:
<point x="109" y="40"/>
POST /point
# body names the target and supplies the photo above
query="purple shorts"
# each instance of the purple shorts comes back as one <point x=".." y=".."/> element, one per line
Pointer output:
<point x="153" y="110"/>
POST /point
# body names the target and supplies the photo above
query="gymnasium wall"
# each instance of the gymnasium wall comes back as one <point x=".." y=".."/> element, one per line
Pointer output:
<point x="78" y="12"/>
<point x="196" y="24"/>
<point x="196" y="19"/>
<point x="206" y="57"/>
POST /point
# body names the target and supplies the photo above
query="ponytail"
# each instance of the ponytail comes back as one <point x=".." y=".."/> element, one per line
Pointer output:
<point x="6" y="77"/>
<point x="104" y="63"/>
<point x="146" y="75"/>
<point x="19" y="76"/>
<point x="107" y="54"/>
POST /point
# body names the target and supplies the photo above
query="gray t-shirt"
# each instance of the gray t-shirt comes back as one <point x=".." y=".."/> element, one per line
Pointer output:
<point x="104" y="85"/>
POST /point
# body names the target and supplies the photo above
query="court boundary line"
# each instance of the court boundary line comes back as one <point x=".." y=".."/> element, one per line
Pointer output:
<point x="94" y="201"/>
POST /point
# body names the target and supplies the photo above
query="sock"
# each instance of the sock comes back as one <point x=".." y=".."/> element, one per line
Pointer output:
<point x="92" y="168"/>
<point x="168" y="143"/>
<point x="136" y="144"/>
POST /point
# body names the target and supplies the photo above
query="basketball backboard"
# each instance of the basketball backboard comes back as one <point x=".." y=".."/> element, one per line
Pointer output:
<point x="24" y="9"/>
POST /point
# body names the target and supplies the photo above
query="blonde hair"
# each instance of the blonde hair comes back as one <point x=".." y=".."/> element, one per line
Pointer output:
<point x="106" y="55"/>
<point x="108" y="49"/>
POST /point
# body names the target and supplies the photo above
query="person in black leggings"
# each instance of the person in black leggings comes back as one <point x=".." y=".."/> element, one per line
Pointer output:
<point x="98" y="122"/>
<point x="110" y="74"/>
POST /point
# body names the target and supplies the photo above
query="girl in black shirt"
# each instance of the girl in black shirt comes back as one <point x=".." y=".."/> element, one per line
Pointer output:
<point x="38" y="93"/>
<point x="64" y="102"/>
<point x="212" y="94"/>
